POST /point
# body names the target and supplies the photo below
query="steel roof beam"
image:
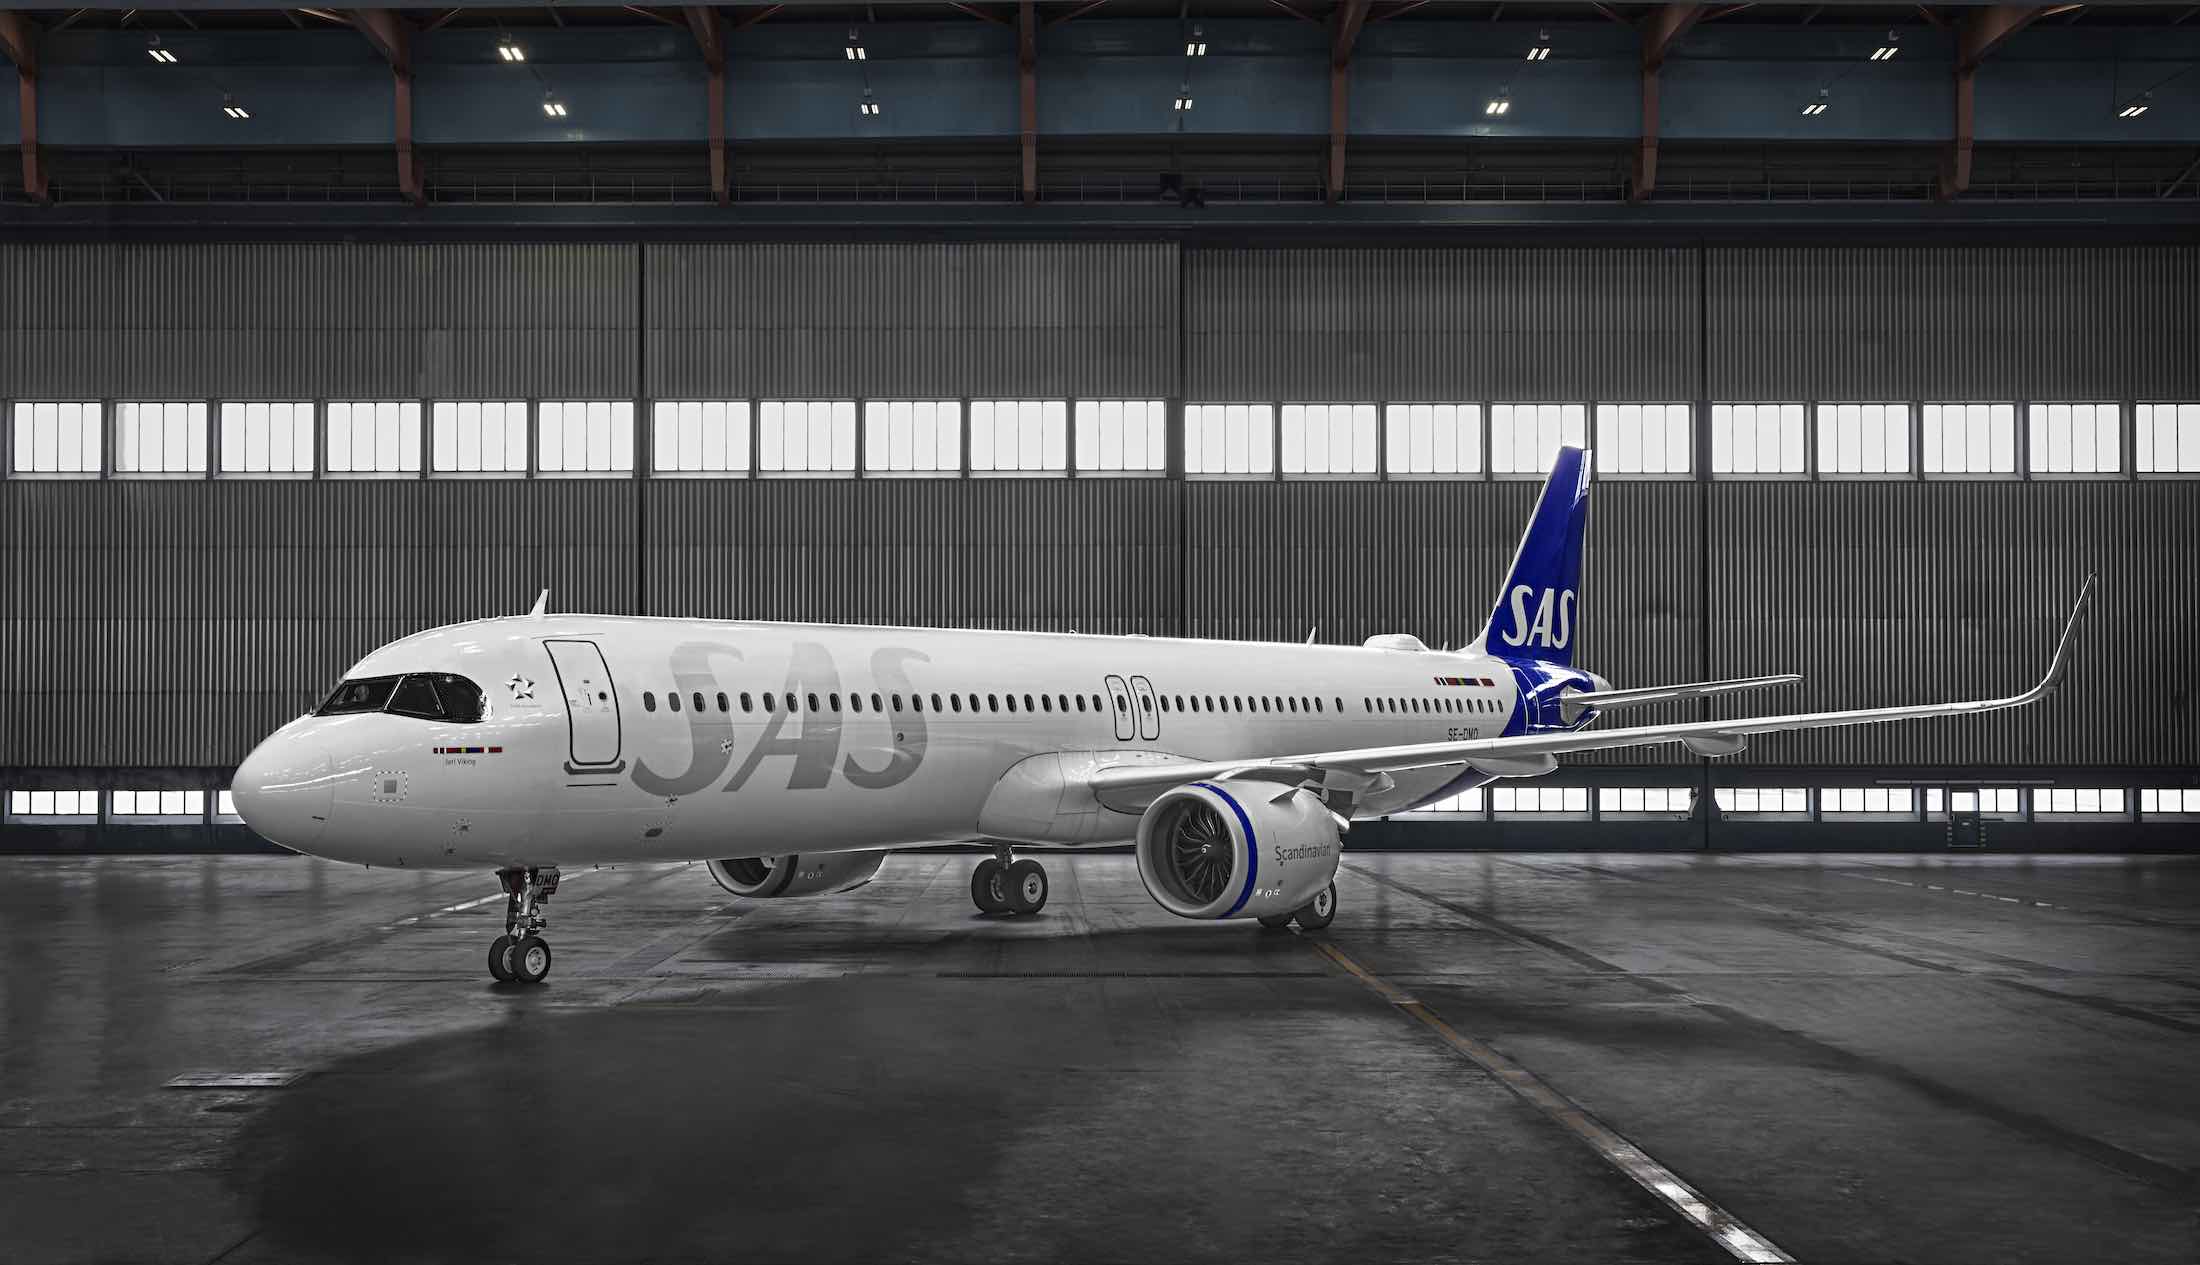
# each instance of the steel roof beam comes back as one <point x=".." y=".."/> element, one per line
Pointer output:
<point x="1027" y="96"/>
<point x="391" y="36"/>
<point x="1347" y="22"/>
<point x="710" y="38"/>
<point x="1660" y="32"/>
<point x="19" y="41"/>
<point x="1982" y="32"/>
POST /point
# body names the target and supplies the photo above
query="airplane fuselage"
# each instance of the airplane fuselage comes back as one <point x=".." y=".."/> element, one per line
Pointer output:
<point x="607" y="738"/>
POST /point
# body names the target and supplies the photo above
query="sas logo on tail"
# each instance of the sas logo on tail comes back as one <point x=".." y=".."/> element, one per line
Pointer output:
<point x="1552" y="625"/>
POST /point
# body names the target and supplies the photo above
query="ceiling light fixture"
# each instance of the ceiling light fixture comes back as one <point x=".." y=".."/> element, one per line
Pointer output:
<point x="510" y="51"/>
<point x="1886" y="51"/>
<point x="855" y="46"/>
<point x="867" y="107"/>
<point x="1818" y="107"/>
<point x="1184" y="98"/>
<point x="552" y="107"/>
<point x="231" y="109"/>
<point x="1500" y="104"/>
<point x="1197" y="45"/>
<point x="157" y="53"/>
<point x="2136" y="108"/>
<point x="1541" y="51"/>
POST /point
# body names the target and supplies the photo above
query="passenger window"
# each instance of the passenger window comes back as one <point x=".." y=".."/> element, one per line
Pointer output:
<point x="993" y="702"/>
<point x="935" y="702"/>
<point x="722" y="703"/>
<point x="794" y="706"/>
<point x="1097" y="705"/>
<point x="1027" y="702"/>
<point x="833" y="700"/>
<point x="1063" y="700"/>
<point x="698" y="700"/>
<point x="1145" y="702"/>
<point x="768" y="705"/>
<point x="649" y="701"/>
<point x="875" y="703"/>
<point x="1046" y="702"/>
<point x="1012" y="702"/>
<point x="956" y="699"/>
<point x="672" y="699"/>
<point x="855" y="702"/>
<point x="896" y="698"/>
<point x="812" y="699"/>
<point x="745" y="700"/>
<point x="1080" y="702"/>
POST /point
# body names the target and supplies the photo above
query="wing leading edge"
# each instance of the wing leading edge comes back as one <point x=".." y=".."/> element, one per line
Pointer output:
<point x="1710" y="737"/>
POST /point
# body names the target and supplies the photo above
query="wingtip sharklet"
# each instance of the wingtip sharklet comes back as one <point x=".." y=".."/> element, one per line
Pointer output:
<point x="2060" y="664"/>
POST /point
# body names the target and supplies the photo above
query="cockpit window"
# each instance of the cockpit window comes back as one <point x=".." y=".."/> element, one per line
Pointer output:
<point x="366" y="694"/>
<point x="424" y="695"/>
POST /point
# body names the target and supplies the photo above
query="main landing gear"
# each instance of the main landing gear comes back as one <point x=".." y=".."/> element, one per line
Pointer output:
<point x="521" y="955"/>
<point x="1004" y="885"/>
<point x="1313" y="915"/>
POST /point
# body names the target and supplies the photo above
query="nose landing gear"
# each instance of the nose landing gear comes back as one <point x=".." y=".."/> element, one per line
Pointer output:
<point x="521" y="955"/>
<point x="1003" y="885"/>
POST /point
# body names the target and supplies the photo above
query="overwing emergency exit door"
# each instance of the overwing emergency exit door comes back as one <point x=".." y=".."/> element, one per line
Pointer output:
<point x="1149" y="716"/>
<point x="1119" y="702"/>
<point x="591" y="705"/>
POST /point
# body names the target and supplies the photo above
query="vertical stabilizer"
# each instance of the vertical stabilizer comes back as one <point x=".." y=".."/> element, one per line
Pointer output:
<point x="1538" y="610"/>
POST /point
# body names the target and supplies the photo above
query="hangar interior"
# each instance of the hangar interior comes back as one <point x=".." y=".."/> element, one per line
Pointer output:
<point x="234" y="468"/>
<point x="1241" y="319"/>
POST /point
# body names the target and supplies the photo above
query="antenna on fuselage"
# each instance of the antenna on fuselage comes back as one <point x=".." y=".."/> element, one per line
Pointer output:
<point x="542" y="605"/>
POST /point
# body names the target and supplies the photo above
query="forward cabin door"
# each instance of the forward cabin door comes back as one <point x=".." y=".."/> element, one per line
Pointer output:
<point x="591" y="704"/>
<point x="1119" y="702"/>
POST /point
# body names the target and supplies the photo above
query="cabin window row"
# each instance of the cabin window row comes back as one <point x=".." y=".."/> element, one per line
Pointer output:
<point x="979" y="438"/>
<point x="751" y="702"/>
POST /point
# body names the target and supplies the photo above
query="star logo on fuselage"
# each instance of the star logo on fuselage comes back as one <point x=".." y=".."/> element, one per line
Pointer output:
<point x="521" y="687"/>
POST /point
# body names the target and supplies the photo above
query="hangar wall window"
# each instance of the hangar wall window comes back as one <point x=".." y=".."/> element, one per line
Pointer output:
<point x="1757" y="439"/>
<point x="1433" y="439"/>
<point x="168" y="438"/>
<point x="375" y="437"/>
<point x="53" y="803"/>
<point x="479" y="436"/>
<point x="57" y="438"/>
<point x="1540" y="799"/>
<point x="1229" y="439"/>
<point x="1863" y="439"/>
<point x="912" y="436"/>
<point x="2075" y="438"/>
<point x="1329" y="438"/>
<point x="1866" y="801"/>
<point x="806" y="436"/>
<point x="1970" y="439"/>
<point x="2169" y="801"/>
<point x="273" y="438"/>
<point x="2089" y="801"/>
<point x="1019" y="436"/>
<point x="1525" y="438"/>
<point x="1987" y="801"/>
<point x="1644" y="438"/>
<point x="2169" y="439"/>
<point x="1645" y="800"/>
<point x="1127" y="436"/>
<point x="700" y="436"/>
<point x="1763" y="800"/>
<point x="584" y="436"/>
<point x="1467" y="801"/>
<point x="225" y="807"/>
<point x="140" y="805"/>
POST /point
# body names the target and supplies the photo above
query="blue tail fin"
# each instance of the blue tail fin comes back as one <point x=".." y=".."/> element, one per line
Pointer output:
<point x="1538" y="611"/>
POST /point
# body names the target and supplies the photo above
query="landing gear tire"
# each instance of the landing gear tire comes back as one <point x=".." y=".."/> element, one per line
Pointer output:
<point x="530" y="960"/>
<point x="520" y="955"/>
<point x="989" y="887"/>
<point x="1276" y="922"/>
<point x="1320" y="911"/>
<point x="1027" y="887"/>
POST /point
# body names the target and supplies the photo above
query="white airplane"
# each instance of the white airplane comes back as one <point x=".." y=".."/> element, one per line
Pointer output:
<point x="793" y="758"/>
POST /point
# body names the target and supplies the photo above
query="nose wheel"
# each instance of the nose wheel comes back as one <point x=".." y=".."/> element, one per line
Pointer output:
<point x="1003" y="885"/>
<point x="521" y="955"/>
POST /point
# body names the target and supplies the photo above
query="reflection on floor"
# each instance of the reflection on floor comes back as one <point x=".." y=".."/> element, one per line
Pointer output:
<point x="1863" y="1058"/>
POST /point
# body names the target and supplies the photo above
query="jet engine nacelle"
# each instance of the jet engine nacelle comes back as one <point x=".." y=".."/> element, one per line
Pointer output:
<point x="764" y="878"/>
<point x="1236" y="849"/>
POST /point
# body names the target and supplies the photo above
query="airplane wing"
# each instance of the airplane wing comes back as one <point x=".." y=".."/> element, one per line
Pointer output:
<point x="1532" y="753"/>
<point x="1573" y="704"/>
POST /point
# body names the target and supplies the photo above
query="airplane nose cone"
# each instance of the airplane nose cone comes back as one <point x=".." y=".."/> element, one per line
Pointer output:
<point x="283" y="791"/>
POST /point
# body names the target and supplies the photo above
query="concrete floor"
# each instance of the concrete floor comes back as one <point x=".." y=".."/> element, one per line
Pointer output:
<point x="1862" y="1058"/>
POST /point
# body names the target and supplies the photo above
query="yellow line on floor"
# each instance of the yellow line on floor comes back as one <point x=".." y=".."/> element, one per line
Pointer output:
<point x="1741" y="1242"/>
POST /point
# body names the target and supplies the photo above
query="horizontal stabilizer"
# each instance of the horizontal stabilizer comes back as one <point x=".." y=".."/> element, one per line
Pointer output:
<point x="1573" y="705"/>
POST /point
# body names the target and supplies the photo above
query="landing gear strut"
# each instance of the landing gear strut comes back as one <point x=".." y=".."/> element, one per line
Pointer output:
<point x="521" y="955"/>
<point x="1003" y="885"/>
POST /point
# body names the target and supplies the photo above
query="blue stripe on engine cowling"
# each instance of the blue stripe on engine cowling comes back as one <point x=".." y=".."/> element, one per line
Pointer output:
<point x="1252" y="847"/>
